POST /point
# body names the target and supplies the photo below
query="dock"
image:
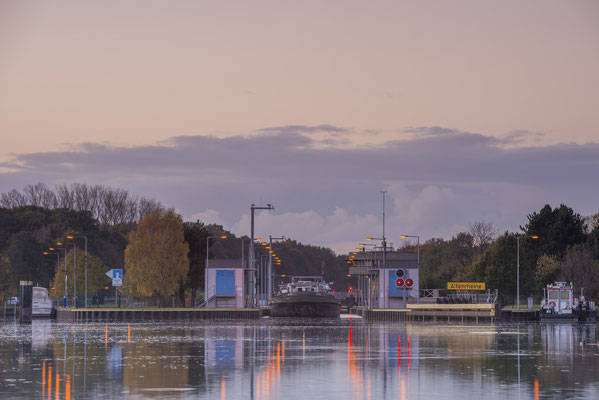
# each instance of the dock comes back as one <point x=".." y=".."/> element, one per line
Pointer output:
<point x="432" y="312"/>
<point x="155" y="314"/>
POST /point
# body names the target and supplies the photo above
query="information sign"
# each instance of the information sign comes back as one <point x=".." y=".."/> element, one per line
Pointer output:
<point x="117" y="276"/>
<point x="465" y="285"/>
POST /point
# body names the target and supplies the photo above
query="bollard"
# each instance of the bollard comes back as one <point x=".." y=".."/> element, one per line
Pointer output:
<point x="25" y="301"/>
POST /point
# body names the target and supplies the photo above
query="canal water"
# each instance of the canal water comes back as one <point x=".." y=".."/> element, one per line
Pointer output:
<point x="290" y="359"/>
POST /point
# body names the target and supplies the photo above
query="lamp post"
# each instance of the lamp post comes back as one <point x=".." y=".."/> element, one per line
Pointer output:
<point x="270" y="276"/>
<point x="57" y="257"/>
<point x="66" y="277"/>
<point x="85" y="262"/>
<point x="252" y="260"/>
<point x="74" y="270"/>
<point x="385" y="276"/>
<point x="206" y="266"/>
<point x="518" y="237"/>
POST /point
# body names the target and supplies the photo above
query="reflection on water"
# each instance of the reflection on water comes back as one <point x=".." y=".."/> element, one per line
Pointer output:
<point x="288" y="359"/>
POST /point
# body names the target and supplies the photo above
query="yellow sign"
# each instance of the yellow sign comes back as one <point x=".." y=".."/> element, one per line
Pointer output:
<point x="466" y="285"/>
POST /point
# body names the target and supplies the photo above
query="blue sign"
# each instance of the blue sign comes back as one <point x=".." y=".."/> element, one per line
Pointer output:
<point x="116" y="275"/>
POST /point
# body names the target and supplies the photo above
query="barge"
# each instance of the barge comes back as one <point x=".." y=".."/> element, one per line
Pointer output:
<point x="305" y="296"/>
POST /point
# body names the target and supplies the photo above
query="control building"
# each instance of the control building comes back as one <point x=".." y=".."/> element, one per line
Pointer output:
<point x="386" y="280"/>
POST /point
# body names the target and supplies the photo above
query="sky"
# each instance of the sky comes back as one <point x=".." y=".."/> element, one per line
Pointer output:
<point x="461" y="111"/>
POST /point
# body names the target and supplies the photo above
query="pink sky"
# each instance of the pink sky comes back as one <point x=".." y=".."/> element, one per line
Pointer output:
<point x="138" y="72"/>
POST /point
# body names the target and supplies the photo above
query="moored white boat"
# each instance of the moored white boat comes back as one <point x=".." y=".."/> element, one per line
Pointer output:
<point x="559" y="304"/>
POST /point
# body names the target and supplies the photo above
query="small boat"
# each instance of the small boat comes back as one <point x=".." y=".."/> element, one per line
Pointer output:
<point x="560" y="305"/>
<point x="41" y="303"/>
<point x="305" y="296"/>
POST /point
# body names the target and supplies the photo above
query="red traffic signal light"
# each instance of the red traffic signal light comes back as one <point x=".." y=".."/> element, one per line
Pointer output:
<point x="350" y="288"/>
<point x="399" y="282"/>
<point x="409" y="282"/>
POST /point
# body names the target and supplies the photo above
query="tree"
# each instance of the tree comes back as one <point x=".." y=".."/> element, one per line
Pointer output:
<point x="156" y="259"/>
<point x="7" y="288"/>
<point x="594" y="237"/>
<point x="497" y="267"/>
<point x="443" y="260"/>
<point x="558" y="229"/>
<point x="27" y="260"/>
<point x="96" y="278"/>
<point x="483" y="233"/>
<point x="581" y="269"/>
<point x="547" y="269"/>
<point x="195" y="234"/>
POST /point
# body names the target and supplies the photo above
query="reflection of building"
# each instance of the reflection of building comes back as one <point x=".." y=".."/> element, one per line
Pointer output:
<point x="376" y="282"/>
<point x="224" y="349"/>
<point x="224" y="282"/>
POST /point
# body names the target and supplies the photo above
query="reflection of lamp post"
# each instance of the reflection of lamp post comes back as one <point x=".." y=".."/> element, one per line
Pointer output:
<point x="85" y="262"/>
<point x="518" y="237"/>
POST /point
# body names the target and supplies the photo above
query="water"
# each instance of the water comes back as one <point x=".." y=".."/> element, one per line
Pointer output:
<point x="287" y="359"/>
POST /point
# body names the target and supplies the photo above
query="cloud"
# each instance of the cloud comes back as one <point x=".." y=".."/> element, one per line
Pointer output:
<point x="304" y="129"/>
<point x="439" y="180"/>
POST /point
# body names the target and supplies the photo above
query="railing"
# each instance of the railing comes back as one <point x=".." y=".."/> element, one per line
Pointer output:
<point x="211" y="294"/>
<point x="489" y="297"/>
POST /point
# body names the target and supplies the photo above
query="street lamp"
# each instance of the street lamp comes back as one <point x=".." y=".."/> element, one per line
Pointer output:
<point x="85" y="262"/>
<point x="252" y="257"/>
<point x="270" y="277"/>
<point x="74" y="269"/>
<point x="518" y="237"/>
<point x="66" y="277"/>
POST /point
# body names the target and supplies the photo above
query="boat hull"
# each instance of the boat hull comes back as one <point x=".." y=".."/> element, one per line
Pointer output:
<point x="581" y="316"/>
<point x="305" y="306"/>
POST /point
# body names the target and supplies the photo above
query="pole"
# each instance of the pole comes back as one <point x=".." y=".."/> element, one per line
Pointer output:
<point x="517" y="272"/>
<point x="244" y="269"/>
<point x="75" y="273"/>
<point x="66" y="279"/>
<point x="251" y="255"/>
<point x="418" y="263"/>
<point x="385" y="273"/>
<point x="85" y="272"/>
<point x="206" y="274"/>
<point x="269" y="288"/>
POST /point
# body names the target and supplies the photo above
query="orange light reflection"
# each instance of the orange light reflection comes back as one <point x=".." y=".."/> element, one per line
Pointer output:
<point x="49" y="382"/>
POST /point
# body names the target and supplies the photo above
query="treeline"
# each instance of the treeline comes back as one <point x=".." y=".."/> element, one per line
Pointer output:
<point x="35" y="219"/>
<point x="166" y="255"/>
<point x="567" y="250"/>
<point x="109" y="206"/>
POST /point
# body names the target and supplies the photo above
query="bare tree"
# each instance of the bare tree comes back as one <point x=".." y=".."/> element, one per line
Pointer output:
<point x="483" y="233"/>
<point x="12" y="199"/>
<point x="39" y="195"/>
<point x="110" y="206"/>
<point x="580" y="268"/>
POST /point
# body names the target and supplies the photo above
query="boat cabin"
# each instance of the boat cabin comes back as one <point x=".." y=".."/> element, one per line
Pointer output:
<point x="559" y="298"/>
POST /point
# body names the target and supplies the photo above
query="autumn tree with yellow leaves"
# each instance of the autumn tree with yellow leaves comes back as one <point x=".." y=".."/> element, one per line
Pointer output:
<point x="156" y="259"/>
